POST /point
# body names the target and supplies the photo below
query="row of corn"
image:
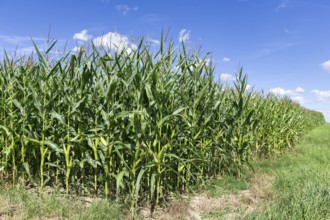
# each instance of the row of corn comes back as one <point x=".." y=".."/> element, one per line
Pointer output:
<point x="134" y="125"/>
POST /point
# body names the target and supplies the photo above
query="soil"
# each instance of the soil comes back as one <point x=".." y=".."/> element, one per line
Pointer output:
<point x="227" y="206"/>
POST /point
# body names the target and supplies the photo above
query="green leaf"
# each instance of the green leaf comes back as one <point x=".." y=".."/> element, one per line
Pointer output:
<point x="58" y="117"/>
<point x="53" y="146"/>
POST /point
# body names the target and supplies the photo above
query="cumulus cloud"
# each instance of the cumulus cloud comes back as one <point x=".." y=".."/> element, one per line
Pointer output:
<point x="125" y="9"/>
<point x="295" y="95"/>
<point x="208" y="62"/>
<point x="299" y="89"/>
<point x="82" y="36"/>
<point x="226" y="59"/>
<point x="281" y="92"/>
<point x="298" y="99"/>
<point x="326" y="115"/>
<point x="77" y="48"/>
<point x="134" y="46"/>
<point x="326" y="65"/>
<point x="226" y="77"/>
<point x="286" y="92"/>
<point x="249" y="87"/>
<point x="115" y="42"/>
<point x="321" y="95"/>
<point x="184" y="35"/>
<point x="112" y="40"/>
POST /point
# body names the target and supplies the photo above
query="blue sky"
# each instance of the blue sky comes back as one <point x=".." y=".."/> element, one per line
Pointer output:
<point x="283" y="45"/>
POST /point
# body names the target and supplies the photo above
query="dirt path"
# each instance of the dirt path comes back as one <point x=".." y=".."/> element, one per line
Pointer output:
<point x="228" y="206"/>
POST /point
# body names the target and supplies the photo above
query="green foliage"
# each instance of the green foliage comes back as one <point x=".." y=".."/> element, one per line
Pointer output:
<point x="134" y="125"/>
<point x="225" y="184"/>
<point x="302" y="188"/>
<point x="23" y="204"/>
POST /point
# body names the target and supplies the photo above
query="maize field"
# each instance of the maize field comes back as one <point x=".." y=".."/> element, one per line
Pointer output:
<point x="134" y="125"/>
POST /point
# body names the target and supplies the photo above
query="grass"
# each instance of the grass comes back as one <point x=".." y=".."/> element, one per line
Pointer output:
<point x="293" y="186"/>
<point x="300" y="190"/>
<point x="226" y="184"/>
<point x="302" y="187"/>
<point x="24" y="204"/>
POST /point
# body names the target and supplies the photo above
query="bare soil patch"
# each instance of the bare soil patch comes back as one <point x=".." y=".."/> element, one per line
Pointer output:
<point x="227" y="206"/>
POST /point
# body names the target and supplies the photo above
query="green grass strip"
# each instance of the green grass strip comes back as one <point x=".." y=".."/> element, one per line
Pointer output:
<point x="302" y="186"/>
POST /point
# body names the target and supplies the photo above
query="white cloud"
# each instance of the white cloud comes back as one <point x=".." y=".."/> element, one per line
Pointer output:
<point x="249" y="87"/>
<point x="26" y="50"/>
<point x="294" y="95"/>
<point x="128" y="50"/>
<point x="82" y="36"/>
<point x="154" y="41"/>
<point x="226" y="59"/>
<point x="125" y="9"/>
<point x="326" y="115"/>
<point x="134" y="46"/>
<point x="226" y="77"/>
<point x="77" y="48"/>
<point x="326" y="65"/>
<point x="112" y="40"/>
<point x="287" y="92"/>
<point x="281" y="92"/>
<point x="115" y="42"/>
<point x="184" y="35"/>
<point x="299" y="89"/>
<point x="321" y="95"/>
<point x="20" y="39"/>
<point x="13" y="39"/>
<point x="208" y="62"/>
<point x="298" y="99"/>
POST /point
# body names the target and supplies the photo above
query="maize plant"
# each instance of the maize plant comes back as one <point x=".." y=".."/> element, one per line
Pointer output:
<point x="134" y="125"/>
